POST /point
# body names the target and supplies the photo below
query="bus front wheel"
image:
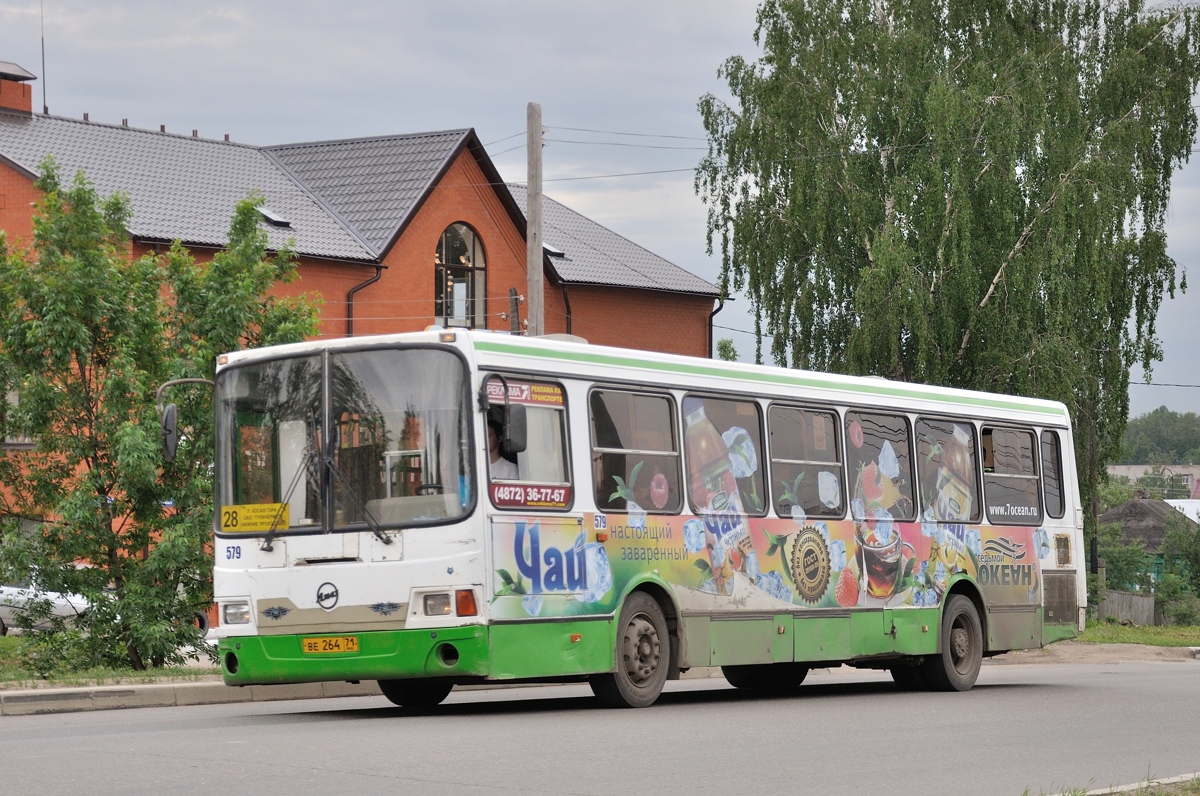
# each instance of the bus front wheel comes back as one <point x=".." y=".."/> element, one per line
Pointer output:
<point x="956" y="666"/>
<point x="415" y="693"/>
<point x="643" y="655"/>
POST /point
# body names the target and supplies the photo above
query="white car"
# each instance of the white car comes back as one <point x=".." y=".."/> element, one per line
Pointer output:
<point x="15" y="596"/>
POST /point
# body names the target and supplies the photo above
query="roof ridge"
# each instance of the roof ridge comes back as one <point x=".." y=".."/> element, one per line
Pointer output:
<point x="132" y="129"/>
<point x="335" y="215"/>
<point x="365" y="139"/>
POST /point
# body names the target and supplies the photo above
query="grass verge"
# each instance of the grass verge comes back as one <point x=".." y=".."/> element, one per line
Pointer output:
<point x="14" y="676"/>
<point x="1167" y="636"/>
<point x="1189" y="788"/>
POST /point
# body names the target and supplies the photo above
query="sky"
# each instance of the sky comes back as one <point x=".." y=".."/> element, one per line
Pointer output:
<point x="618" y="82"/>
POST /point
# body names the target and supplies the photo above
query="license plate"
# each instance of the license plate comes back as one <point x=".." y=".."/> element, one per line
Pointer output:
<point x="324" y="644"/>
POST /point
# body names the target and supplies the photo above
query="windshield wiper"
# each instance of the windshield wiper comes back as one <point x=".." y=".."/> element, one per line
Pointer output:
<point x="308" y="468"/>
<point x="358" y="503"/>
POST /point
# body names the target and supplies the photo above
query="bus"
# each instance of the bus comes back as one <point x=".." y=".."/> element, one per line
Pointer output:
<point x="456" y="507"/>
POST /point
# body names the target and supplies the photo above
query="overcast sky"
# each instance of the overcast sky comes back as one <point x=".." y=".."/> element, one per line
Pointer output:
<point x="273" y="72"/>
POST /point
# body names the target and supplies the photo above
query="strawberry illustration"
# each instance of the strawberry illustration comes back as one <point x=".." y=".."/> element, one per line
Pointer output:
<point x="659" y="490"/>
<point x="847" y="589"/>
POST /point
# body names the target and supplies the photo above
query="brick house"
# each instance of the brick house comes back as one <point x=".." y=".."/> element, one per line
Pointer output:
<point x="394" y="232"/>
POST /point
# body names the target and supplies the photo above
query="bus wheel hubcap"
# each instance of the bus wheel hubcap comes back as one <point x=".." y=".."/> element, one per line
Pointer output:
<point x="641" y="650"/>
<point x="960" y="645"/>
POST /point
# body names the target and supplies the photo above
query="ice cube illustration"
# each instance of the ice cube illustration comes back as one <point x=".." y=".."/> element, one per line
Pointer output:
<point x="889" y="465"/>
<point x="928" y="523"/>
<point x="939" y="574"/>
<point x="973" y="542"/>
<point x="637" y="515"/>
<point x="532" y="603"/>
<point x="718" y="553"/>
<point x="693" y="536"/>
<point x="772" y="583"/>
<point x="599" y="573"/>
<point x="837" y="555"/>
<point x="1041" y="542"/>
<point x="822" y="529"/>
<point x="743" y="460"/>
<point x="829" y="489"/>
<point x="858" y="509"/>
<point x="798" y="515"/>
<point x="883" y="526"/>
<point x="708" y="587"/>
<point x="752" y="570"/>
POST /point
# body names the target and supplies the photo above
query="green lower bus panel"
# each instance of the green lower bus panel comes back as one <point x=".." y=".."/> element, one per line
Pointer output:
<point x="525" y="650"/>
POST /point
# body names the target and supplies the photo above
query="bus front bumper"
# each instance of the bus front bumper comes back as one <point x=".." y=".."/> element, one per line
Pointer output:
<point x="460" y="652"/>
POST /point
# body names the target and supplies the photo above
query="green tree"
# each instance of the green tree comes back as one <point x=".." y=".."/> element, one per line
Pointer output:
<point x="1162" y="437"/>
<point x="726" y="351"/>
<point x="967" y="194"/>
<point x="87" y="333"/>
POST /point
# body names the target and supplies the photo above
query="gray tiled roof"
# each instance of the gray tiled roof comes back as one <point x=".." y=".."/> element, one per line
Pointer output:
<point x="346" y="200"/>
<point x="596" y="255"/>
<point x="179" y="187"/>
<point x="373" y="184"/>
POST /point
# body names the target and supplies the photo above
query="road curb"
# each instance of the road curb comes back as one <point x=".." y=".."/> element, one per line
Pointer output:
<point x="115" y="697"/>
<point x="33" y="701"/>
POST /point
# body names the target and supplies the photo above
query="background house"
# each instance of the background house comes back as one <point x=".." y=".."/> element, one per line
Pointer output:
<point x="394" y="232"/>
<point x="1147" y="520"/>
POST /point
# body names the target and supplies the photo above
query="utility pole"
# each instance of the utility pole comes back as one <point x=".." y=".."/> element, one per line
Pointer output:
<point x="533" y="219"/>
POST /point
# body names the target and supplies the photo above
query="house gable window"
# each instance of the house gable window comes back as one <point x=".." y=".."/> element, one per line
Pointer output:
<point x="460" y="279"/>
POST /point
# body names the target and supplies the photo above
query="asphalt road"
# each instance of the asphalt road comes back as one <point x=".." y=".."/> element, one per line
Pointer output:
<point x="1041" y="727"/>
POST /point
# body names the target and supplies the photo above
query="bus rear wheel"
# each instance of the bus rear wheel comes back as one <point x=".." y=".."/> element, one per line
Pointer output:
<point x="774" y="677"/>
<point x="956" y="666"/>
<point x="643" y="655"/>
<point x="415" y="693"/>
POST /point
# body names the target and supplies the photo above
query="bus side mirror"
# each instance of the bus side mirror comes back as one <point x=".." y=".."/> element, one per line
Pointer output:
<point x="515" y="429"/>
<point x="170" y="432"/>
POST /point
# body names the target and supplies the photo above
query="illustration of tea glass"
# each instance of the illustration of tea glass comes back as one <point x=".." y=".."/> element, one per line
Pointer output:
<point x="883" y="563"/>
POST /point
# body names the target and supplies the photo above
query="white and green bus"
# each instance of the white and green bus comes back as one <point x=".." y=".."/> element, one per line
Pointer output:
<point x="456" y="507"/>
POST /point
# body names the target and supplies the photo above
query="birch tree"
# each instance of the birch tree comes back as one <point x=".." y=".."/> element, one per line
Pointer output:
<point x="961" y="193"/>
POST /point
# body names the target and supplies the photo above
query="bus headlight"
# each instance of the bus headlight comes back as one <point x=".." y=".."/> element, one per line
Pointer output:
<point x="437" y="604"/>
<point x="236" y="613"/>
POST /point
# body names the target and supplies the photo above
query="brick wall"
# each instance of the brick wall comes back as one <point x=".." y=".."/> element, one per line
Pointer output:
<point x="17" y="196"/>
<point x="17" y="96"/>
<point x="645" y="319"/>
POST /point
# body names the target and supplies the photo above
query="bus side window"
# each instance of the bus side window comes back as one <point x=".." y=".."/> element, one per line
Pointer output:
<point x="880" y="466"/>
<point x="722" y="442"/>
<point x="635" y="452"/>
<point x="806" y="463"/>
<point x="946" y="469"/>
<point x="1052" y="480"/>
<point x="1010" y="489"/>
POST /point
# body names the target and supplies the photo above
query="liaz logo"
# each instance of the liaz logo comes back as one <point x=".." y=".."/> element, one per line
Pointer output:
<point x="551" y="569"/>
<point x="327" y="596"/>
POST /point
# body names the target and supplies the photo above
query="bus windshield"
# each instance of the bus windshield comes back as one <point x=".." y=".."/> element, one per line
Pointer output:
<point x="387" y="444"/>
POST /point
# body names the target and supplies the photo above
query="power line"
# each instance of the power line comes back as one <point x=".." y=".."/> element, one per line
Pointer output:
<point x="636" y="135"/>
<point x="625" y="174"/>
<point x="505" y="138"/>
<point x="622" y="144"/>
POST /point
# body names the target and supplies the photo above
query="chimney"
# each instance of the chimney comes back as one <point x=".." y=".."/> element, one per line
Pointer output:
<point x="15" y="91"/>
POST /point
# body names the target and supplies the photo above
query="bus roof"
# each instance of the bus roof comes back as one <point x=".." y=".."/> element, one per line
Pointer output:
<point x="607" y="364"/>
